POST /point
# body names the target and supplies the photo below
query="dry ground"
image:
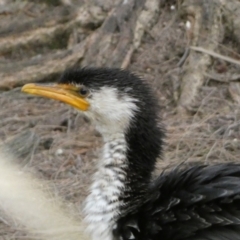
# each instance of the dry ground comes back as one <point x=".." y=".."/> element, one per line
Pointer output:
<point x="65" y="147"/>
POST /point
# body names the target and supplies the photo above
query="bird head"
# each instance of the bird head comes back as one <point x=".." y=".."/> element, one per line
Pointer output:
<point x="110" y="98"/>
<point x="120" y="105"/>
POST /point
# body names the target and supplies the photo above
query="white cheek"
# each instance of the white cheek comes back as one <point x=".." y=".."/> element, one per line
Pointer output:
<point x="110" y="111"/>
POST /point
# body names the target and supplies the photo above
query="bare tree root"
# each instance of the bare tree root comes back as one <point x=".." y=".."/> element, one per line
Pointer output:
<point x="231" y="13"/>
<point x="145" y="21"/>
<point x="112" y="44"/>
<point x="45" y="68"/>
<point x="51" y="29"/>
<point x="206" y="31"/>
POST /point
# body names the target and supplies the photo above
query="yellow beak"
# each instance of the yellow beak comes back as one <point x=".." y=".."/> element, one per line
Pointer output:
<point x="61" y="92"/>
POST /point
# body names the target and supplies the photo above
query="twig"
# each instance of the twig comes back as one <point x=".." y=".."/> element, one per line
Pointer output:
<point x="183" y="58"/>
<point x="214" y="54"/>
<point x="223" y="78"/>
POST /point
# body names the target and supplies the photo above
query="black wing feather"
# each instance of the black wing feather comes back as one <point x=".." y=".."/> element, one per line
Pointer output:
<point x="200" y="202"/>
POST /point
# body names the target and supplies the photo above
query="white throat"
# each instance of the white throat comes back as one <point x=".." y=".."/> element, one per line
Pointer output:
<point x="102" y="206"/>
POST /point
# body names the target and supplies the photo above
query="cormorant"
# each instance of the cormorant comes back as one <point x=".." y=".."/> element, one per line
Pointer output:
<point x="124" y="201"/>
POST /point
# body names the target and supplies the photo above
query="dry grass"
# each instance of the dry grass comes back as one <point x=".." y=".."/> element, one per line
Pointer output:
<point x="66" y="149"/>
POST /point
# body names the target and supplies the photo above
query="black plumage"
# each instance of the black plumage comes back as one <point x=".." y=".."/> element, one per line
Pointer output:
<point x="187" y="203"/>
<point x="201" y="202"/>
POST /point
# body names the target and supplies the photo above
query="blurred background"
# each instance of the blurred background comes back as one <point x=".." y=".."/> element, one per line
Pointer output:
<point x="187" y="49"/>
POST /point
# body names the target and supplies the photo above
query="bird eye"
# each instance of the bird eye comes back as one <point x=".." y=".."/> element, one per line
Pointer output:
<point x="83" y="91"/>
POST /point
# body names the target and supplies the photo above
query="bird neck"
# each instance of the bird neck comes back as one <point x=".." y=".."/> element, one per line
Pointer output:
<point x="103" y="204"/>
<point x="122" y="179"/>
